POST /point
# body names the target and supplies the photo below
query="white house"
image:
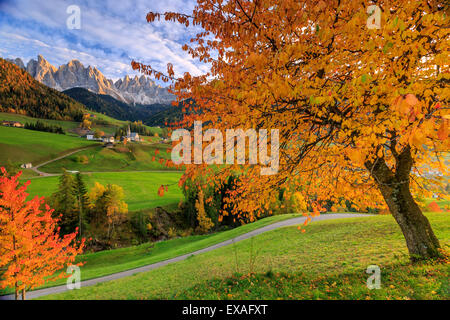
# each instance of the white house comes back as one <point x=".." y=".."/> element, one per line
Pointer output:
<point x="132" y="136"/>
<point x="90" y="135"/>
<point x="26" y="166"/>
<point x="108" y="139"/>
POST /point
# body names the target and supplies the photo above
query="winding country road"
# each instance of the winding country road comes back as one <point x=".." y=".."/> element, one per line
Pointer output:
<point x="45" y="174"/>
<point x="281" y="224"/>
<point x="42" y="174"/>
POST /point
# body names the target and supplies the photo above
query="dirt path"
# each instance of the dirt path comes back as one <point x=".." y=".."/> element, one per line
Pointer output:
<point x="115" y="276"/>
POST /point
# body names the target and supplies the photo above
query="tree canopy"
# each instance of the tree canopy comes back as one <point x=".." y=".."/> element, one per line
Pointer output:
<point x="31" y="249"/>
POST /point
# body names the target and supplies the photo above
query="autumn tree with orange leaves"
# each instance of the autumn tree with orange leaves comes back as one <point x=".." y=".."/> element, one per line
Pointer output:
<point x="31" y="250"/>
<point x="362" y="112"/>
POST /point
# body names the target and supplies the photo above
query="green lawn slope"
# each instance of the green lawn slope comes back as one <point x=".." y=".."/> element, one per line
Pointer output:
<point x="132" y="157"/>
<point x="66" y="125"/>
<point x="327" y="262"/>
<point x="112" y="261"/>
<point x="107" y="124"/>
<point x="141" y="188"/>
<point x="21" y="145"/>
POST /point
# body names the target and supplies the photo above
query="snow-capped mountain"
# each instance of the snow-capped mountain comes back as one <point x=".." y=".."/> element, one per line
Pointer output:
<point x="141" y="90"/>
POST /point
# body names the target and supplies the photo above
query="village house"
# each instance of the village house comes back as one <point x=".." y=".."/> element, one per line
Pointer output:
<point x="108" y="139"/>
<point x="89" y="135"/>
<point x="26" y="166"/>
<point x="15" y="124"/>
<point x="131" y="136"/>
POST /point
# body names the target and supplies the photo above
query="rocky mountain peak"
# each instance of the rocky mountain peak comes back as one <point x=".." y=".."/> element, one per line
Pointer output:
<point x="140" y="90"/>
<point x="18" y="62"/>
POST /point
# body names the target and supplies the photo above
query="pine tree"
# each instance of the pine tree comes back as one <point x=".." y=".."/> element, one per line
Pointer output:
<point x="82" y="201"/>
<point x="64" y="202"/>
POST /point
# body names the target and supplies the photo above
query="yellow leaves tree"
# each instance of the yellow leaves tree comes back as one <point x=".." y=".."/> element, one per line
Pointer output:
<point x="300" y="203"/>
<point x="362" y="112"/>
<point x="107" y="205"/>
<point x="86" y="122"/>
<point x="116" y="208"/>
<point x="98" y="133"/>
<point x="95" y="193"/>
<point x="204" y="222"/>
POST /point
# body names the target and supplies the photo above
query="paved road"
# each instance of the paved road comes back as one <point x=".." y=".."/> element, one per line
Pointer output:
<point x="281" y="224"/>
<point x="45" y="174"/>
<point x="94" y="172"/>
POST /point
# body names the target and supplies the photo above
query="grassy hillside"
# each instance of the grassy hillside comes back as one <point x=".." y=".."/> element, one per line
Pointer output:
<point x="66" y="125"/>
<point x="140" y="187"/>
<point x="132" y="157"/>
<point x="326" y="262"/>
<point x="119" y="123"/>
<point x="111" y="261"/>
<point x="21" y="145"/>
<point x="404" y="282"/>
<point x="104" y="123"/>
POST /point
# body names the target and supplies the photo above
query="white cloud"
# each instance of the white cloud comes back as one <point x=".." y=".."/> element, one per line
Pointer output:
<point x="112" y="33"/>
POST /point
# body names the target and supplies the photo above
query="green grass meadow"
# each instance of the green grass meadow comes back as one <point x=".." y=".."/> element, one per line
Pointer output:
<point x="21" y="145"/>
<point x="116" y="260"/>
<point x="140" y="187"/>
<point x="66" y="125"/>
<point x="132" y="157"/>
<point x="327" y="262"/>
<point x="119" y="123"/>
<point x="109" y="127"/>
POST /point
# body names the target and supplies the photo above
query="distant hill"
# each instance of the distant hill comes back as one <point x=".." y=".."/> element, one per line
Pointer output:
<point x="114" y="108"/>
<point x="20" y="93"/>
<point x="165" y="117"/>
<point x="170" y="115"/>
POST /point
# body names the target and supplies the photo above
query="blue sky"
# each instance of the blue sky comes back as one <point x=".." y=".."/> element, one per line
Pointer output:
<point x="113" y="32"/>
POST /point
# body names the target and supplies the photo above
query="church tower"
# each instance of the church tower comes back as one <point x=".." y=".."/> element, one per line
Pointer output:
<point x="128" y="132"/>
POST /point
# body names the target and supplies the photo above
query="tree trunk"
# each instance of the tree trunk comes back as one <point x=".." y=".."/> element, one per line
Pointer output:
<point x="394" y="186"/>
<point x="16" y="292"/>
<point x="23" y="294"/>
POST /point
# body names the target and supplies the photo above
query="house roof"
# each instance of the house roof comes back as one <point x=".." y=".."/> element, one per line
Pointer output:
<point x="85" y="132"/>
